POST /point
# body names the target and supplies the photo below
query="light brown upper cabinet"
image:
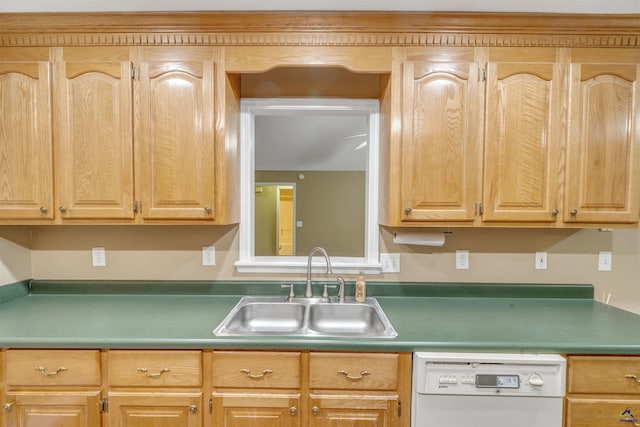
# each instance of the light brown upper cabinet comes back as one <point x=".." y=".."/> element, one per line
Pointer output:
<point x="26" y="171"/>
<point x="140" y="135"/>
<point x="94" y="133"/>
<point x="522" y="143"/>
<point x="603" y="144"/>
<point x="441" y="137"/>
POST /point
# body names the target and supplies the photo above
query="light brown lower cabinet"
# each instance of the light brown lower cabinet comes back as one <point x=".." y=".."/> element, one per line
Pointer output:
<point x="193" y="388"/>
<point x="603" y="391"/>
<point x="155" y="409"/>
<point x="247" y="409"/>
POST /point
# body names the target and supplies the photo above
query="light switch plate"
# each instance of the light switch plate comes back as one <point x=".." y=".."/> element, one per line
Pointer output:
<point x="541" y="260"/>
<point x="390" y="263"/>
<point x="604" y="261"/>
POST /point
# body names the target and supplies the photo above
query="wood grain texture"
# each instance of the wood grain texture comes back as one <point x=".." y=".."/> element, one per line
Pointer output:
<point x="247" y="409"/>
<point x="349" y="410"/>
<point x="324" y="371"/>
<point x="155" y="409"/>
<point x="54" y="408"/>
<point x="319" y="28"/>
<point x="284" y="369"/>
<point x="184" y="368"/>
<point x="81" y="367"/>
<point x="600" y="412"/>
<point x="603" y="374"/>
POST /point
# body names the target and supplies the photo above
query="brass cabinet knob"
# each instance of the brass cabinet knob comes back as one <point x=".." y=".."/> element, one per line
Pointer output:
<point x="407" y="211"/>
<point x="574" y="212"/>
<point x="315" y="410"/>
<point x="7" y="406"/>
<point x="555" y="212"/>
<point x="193" y="409"/>
<point x="207" y="209"/>
<point x="62" y="209"/>
<point x="293" y="410"/>
<point x="43" y="209"/>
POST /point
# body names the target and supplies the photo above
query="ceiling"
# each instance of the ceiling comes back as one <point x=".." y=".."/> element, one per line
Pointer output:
<point x="551" y="6"/>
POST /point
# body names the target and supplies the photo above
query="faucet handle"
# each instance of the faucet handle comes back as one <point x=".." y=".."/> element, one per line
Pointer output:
<point x="340" y="281"/>
<point x="325" y="294"/>
<point x="292" y="295"/>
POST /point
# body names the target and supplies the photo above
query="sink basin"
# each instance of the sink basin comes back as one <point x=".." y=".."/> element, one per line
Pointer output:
<point x="267" y="317"/>
<point x="345" y="319"/>
<point x="256" y="316"/>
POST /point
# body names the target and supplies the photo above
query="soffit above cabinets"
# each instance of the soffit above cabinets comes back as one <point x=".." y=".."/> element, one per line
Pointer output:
<point x="543" y="6"/>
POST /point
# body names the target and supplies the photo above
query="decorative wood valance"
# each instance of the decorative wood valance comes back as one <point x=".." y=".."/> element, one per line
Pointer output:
<point x="319" y="28"/>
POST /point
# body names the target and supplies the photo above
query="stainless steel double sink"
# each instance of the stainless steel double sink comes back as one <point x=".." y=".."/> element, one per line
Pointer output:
<point x="271" y="316"/>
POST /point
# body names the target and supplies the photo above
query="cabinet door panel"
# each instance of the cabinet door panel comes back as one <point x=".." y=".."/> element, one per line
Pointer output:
<point x="603" y="175"/>
<point x="349" y="411"/>
<point x="177" y="149"/>
<point x="159" y="409"/>
<point x="522" y="145"/>
<point x="252" y="410"/>
<point x="59" y="409"/>
<point x="26" y="171"/>
<point x="94" y="139"/>
<point x="440" y="141"/>
<point x="602" y="412"/>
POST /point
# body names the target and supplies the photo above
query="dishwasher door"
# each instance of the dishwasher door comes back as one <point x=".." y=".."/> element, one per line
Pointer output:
<point x="486" y="411"/>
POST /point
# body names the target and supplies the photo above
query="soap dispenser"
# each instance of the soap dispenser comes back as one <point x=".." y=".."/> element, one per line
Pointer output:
<point x="361" y="288"/>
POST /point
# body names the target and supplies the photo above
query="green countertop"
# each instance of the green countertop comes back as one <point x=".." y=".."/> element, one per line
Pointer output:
<point x="428" y="317"/>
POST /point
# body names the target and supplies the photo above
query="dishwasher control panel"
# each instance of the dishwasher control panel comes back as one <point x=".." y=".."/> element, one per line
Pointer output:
<point x="489" y="374"/>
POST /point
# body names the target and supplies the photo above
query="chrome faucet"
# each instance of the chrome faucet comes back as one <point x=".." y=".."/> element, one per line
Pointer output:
<point x="308" y="293"/>
<point x="340" y="289"/>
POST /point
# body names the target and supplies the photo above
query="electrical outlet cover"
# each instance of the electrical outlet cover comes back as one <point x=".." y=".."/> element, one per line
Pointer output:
<point x="462" y="260"/>
<point x="208" y="256"/>
<point x="390" y="263"/>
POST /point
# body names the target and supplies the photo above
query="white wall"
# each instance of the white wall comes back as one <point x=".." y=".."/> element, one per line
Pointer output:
<point x="496" y="255"/>
<point x="15" y="255"/>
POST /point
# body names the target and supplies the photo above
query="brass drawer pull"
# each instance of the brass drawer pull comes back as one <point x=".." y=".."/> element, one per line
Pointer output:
<point x="354" y="378"/>
<point x="256" y="376"/>
<point x="7" y="406"/>
<point x="46" y="373"/>
<point x="146" y="373"/>
<point x="633" y="377"/>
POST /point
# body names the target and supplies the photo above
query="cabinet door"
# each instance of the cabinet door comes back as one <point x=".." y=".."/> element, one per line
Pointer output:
<point x="256" y="410"/>
<point x="602" y="176"/>
<point x="59" y="409"/>
<point x="602" y="412"/>
<point x="522" y="144"/>
<point x="156" y="409"/>
<point x="441" y="141"/>
<point x="348" y="411"/>
<point x="26" y="171"/>
<point x="176" y="164"/>
<point x="94" y="139"/>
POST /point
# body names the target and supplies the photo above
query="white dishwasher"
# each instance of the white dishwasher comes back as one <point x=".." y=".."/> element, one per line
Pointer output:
<point x="487" y="390"/>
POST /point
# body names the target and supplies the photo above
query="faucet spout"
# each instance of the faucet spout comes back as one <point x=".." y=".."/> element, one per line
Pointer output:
<point x="308" y="293"/>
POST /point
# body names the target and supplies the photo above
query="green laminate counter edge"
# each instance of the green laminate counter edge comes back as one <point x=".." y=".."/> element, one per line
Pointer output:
<point x="428" y="317"/>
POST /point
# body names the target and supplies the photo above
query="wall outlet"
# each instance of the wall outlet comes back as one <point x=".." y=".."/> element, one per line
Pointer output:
<point x="604" y="261"/>
<point x="99" y="257"/>
<point x="462" y="260"/>
<point x="390" y="263"/>
<point x="541" y="260"/>
<point x="208" y="256"/>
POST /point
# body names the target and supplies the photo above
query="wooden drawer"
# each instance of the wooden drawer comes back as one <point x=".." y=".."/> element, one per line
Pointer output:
<point x="583" y="412"/>
<point x="256" y="369"/>
<point x="355" y="371"/>
<point x="153" y="368"/>
<point x="52" y="367"/>
<point x="604" y="374"/>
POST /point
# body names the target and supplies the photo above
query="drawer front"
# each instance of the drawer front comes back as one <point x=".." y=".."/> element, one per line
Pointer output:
<point x="155" y="368"/>
<point x="357" y="371"/>
<point x="602" y="412"/>
<point x="604" y="374"/>
<point x="52" y="367"/>
<point x="256" y="369"/>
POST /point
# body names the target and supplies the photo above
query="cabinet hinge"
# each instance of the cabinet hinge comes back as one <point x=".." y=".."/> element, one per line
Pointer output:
<point x="482" y="75"/>
<point x="399" y="408"/>
<point x="103" y="406"/>
<point x="211" y="405"/>
<point x="135" y="74"/>
<point x="137" y="207"/>
<point x="479" y="209"/>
